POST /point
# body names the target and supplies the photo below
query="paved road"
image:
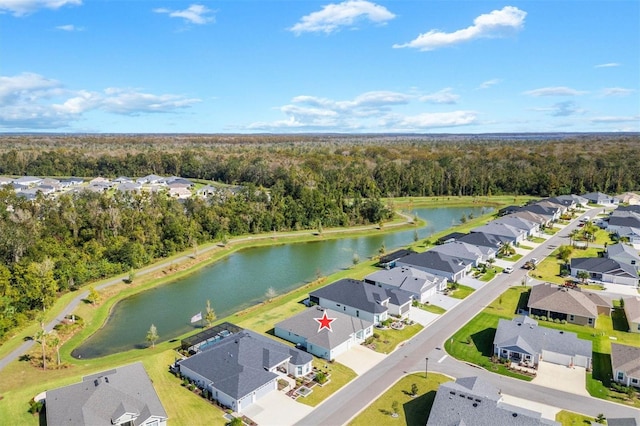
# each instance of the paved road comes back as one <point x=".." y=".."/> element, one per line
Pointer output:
<point x="411" y="357"/>
<point x="26" y="346"/>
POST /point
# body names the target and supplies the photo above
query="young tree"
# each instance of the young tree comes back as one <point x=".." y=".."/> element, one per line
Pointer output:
<point x="93" y="295"/>
<point x="55" y="342"/>
<point x="271" y="293"/>
<point x="583" y="275"/>
<point x="395" y="406"/>
<point x="152" y="335"/>
<point x="41" y="337"/>
<point x="210" y="314"/>
<point x="414" y="389"/>
<point x="356" y="258"/>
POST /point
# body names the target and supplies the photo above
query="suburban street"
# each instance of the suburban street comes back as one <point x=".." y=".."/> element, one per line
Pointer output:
<point x="411" y="357"/>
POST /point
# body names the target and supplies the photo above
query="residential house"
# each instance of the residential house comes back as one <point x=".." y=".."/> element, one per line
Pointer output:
<point x="531" y="228"/>
<point x="449" y="238"/>
<point x="559" y="207"/>
<point x="452" y="268"/>
<point x="625" y="364"/>
<point x="360" y="300"/>
<point x="481" y="239"/>
<point x="605" y="270"/>
<point x="505" y="233"/>
<point x="568" y="201"/>
<point x="129" y="187"/>
<point x="522" y="340"/>
<point x="99" y="180"/>
<point x="600" y="198"/>
<point x="629" y="198"/>
<point x="476" y="255"/>
<point x="6" y="180"/>
<point x="28" y="180"/>
<point x="50" y="182"/>
<point x="508" y="210"/>
<point x="420" y="284"/>
<point x="175" y="180"/>
<point x="346" y="332"/>
<point x="475" y="401"/>
<point x="625" y="222"/>
<point x="73" y="181"/>
<point x="123" y="396"/>
<point x="389" y="260"/>
<point x="541" y="220"/>
<point x="623" y="253"/>
<point x="123" y="179"/>
<point x="207" y="191"/>
<point x="632" y="312"/>
<point x="151" y="180"/>
<point x="551" y="212"/>
<point x="181" y="193"/>
<point x="563" y="303"/>
<point x="241" y="369"/>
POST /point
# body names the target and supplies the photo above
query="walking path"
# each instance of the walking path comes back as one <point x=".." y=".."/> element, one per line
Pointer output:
<point x="69" y="308"/>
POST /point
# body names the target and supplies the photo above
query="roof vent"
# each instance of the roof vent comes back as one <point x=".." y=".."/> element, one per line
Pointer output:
<point x="519" y="324"/>
<point x="561" y="332"/>
<point x="475" y="404"/>
<point x="106" y="379"/>
<point x="515" y="414"/>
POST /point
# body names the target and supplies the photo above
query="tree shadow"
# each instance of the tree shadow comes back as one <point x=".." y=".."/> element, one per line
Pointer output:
<point x="417" y="410"/>
<point x="385" y="412"/>
<point x="42" y="416"/>
<point x="523" y="301"/>
<point x="483" y="340"/>
<point x="24" y="358"/>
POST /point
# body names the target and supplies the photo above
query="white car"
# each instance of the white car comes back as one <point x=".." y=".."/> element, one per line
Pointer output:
<point x="508" y="270"/>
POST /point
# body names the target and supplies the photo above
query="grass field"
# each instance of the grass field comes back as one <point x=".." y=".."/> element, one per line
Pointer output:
<point x="461" y="292"/>
<point x="413" y="411"/>
<point x="567" y="418"/>
<point x="434" y="309"/>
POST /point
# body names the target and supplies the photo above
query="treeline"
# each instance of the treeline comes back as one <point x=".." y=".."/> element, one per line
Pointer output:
<point x="50" y="246"/>
<point x="371" y="168"/>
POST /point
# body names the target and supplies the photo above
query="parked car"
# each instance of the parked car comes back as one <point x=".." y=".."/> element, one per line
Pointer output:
<point x="508" y="270"/>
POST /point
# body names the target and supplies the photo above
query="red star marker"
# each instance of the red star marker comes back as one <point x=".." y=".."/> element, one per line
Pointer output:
<point x="325" y="322"/>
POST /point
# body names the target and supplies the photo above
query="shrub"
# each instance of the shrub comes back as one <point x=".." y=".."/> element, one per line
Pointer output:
<point x="376" y="335"/>
<point x="543" y="318"/>
<point x="563" y="321"/>
<point x="35" y="407"/>
<point x="557" y="320"/>
<point x="321" y="377"/>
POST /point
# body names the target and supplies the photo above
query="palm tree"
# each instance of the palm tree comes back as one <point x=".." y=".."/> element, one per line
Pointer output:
<point x="210" y="314"/>
<point x="55" y="342"/>
<point x="152" y="335"/>
<point x="41" y="337"/>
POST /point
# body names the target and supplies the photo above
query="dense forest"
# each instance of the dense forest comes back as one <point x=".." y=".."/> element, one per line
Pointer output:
<point x="54" y="245"/>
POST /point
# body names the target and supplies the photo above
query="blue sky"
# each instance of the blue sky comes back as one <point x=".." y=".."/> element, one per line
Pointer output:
<point x="242" y="66"/>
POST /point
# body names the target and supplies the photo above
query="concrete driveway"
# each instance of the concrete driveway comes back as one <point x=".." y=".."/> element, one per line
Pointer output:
<point x="472" y="282"/>
<point x="443" y="301"/>
<point x="421" y="316"/>
<point x="568" y="379"/>
<point x="277" y="409"/>
<point x="360" y="359"/>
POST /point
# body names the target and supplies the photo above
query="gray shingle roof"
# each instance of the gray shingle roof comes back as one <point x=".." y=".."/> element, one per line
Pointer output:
<point x="621" y="249"/>
<point x="538" y="338"/>
<point x="622" y="421"/>
<point x="463" y="250"/>
<point x="238" y="365"/>
<point x="604" y="266"/>
<point x="564" y="300"/>
<point x="499" y="229"/>
<point x="436" y="261"/>
<point x="406" y="278"/>
<point x="482" y="239"/>
<point x="356" y="294"/>
<point x="103" y="397"/>
<point x="473" y="401"/>
<point x="305" y="325"/>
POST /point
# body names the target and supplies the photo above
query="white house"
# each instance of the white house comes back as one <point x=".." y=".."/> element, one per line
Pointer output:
<point x="420" y="284"/>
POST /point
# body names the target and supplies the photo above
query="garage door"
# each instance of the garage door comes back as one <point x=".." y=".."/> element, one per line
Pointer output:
<point x="556" y="358"/>
<point x="581" y="361"/>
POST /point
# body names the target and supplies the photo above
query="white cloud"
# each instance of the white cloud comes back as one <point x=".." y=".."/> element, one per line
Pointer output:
<point x="444" y="96"/>
<point x="497" y="23"/>
<point x="346" y="14"/>
<point x="372" y="111"/>
<point x="608" y="65"/>
<point x="69" y="28"/>
<point x="616" y="92"/>
<point x="31" y="101"/>
<point x="25" y="7"/>
<point x="554" y="91"/>
<point x="195" y="14"/>
<point x="489" y="83"/>
<point x="435" y="120"/>
<point x="617" y="119"/>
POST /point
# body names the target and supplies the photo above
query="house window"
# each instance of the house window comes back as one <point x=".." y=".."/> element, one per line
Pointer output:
<point x="590" y="321"/>
<point x="634" y="381"/>
<point x="299" y="370"/>
<point x="504" y="351"/>
<point x="620" y="375"/>
<point x="633" y="262"/>
<point x="639" y="326"/>
<point x="358" y="313"/>
<point x="571" y="318"/>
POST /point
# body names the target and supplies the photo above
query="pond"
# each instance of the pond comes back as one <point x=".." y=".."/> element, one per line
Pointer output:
<point x="242" y="280"/>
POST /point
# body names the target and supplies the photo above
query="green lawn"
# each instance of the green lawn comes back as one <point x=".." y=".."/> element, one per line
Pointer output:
<point x="390" y="338"/>
<point x="434" y="309"/>
<point x="568" y="418"/>
<point x="461" y="292"/>
<point x="413" y="411"/>
<point x="551" y="231"/>
<point x="490" y="274"/>
<point x="513" y="258"/>
<point x="522" y="246"/>
<point x="537" y="240"/>
<point x="340" y="376"/>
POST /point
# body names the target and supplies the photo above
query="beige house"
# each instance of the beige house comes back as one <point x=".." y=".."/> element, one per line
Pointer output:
<point x="574" y="306"/>
<point x="625" y="364"/>
<point x="632" y="312"/>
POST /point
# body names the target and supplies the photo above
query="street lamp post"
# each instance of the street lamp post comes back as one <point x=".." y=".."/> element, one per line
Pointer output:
<point x="426" y="367"/>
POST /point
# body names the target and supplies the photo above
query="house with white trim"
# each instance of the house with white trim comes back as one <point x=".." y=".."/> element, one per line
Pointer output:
<point x="420" y="284"/>
<point x="605" y="270"/>
<point x="346" y="332"/>
<point x="243" y="368"/>
<point x="625" y="364"/>
<point x="452" y="268"/>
